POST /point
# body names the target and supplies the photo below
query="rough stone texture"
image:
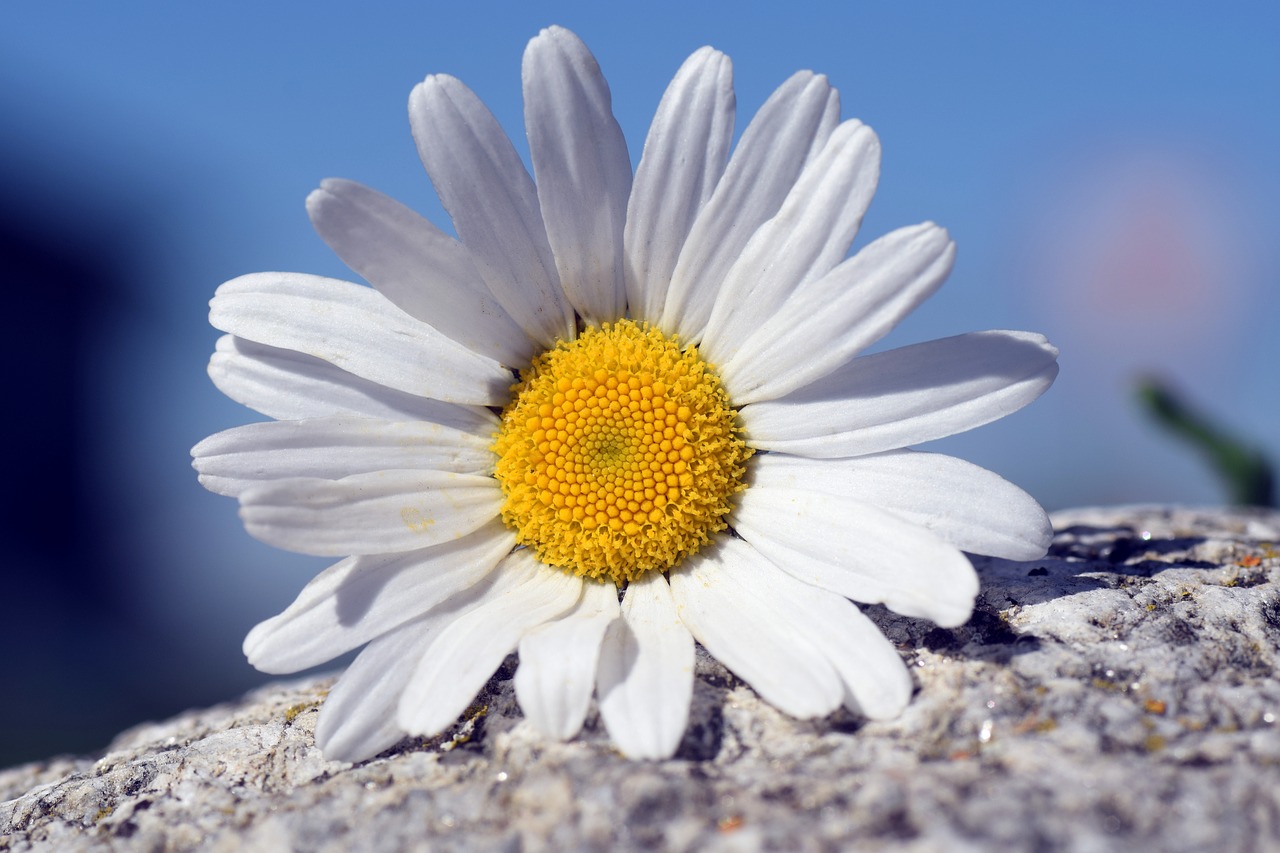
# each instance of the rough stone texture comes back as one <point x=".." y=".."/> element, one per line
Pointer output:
<point x="1117" y="694"/>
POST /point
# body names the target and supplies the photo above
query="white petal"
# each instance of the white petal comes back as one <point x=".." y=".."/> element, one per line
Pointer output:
<point x="761" y="172"/>
<point x="359" y="330"/>
<point x="970" y="507"/>
<point x="877" y="683"/>
<point x="331" y="448"/>
<point x="361" y="598"/>
<point x="493" y="203"/>
<point x="822" y="326"/>
<point x="426" y="273"/>
<point x="827" y="125"/>
<point x="557" y="672"/>
<point x="582" y="169"/>
<point x="645" y="680"/>
<point x="684" y="157"/>
<point x="358" y="718"/>
<point x="288" y="385"/>
<point x="810" y="234"/>
<point x="871" y="677"/>
<point x="858" y="551"/>
<point x="729" y="598"/>
<point x="520" y="595"/>
<point x="378" y="513"/>
<point x="906" y="396"/>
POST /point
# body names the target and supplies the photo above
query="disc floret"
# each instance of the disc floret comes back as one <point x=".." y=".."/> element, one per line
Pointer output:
<point x="619" y="453"/>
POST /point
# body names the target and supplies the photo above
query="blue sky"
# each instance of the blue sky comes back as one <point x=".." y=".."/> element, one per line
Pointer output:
<point x="1110" y="172"/>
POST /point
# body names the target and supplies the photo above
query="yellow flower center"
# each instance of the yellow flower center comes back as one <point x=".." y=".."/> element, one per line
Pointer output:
<point x="618" y="454"/>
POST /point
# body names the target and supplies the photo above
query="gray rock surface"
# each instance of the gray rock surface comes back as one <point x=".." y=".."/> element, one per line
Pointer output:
<point x="1117" y="695"/>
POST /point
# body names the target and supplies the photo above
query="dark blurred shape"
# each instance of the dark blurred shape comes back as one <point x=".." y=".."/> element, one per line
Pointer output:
<point x="1245" y="471"/>
<point x="60" y="609"/>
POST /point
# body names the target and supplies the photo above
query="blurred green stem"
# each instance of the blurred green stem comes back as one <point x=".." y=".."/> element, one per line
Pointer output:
<point x="1246" y="471"/>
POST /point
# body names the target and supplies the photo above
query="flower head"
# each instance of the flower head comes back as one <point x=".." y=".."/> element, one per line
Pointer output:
<point x="618" y="414"/>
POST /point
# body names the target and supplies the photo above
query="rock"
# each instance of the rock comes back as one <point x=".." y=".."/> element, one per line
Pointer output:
<point x="1118" y="694"/>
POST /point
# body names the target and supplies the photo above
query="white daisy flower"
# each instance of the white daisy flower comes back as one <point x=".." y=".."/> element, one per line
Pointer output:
<point x="620" y="413"/>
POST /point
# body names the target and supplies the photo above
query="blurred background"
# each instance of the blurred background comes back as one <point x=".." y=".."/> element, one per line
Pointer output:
<point x="1110" y="171"/>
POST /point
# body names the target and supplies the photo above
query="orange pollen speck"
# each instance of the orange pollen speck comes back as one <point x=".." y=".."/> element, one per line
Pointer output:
<point x="618" y="454"/>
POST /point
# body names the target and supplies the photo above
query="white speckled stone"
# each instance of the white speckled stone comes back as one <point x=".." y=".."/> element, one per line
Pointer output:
<point x="1117" y="695"/>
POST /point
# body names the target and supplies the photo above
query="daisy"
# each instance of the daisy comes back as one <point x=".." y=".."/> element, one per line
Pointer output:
<point x="619" y="414"/>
